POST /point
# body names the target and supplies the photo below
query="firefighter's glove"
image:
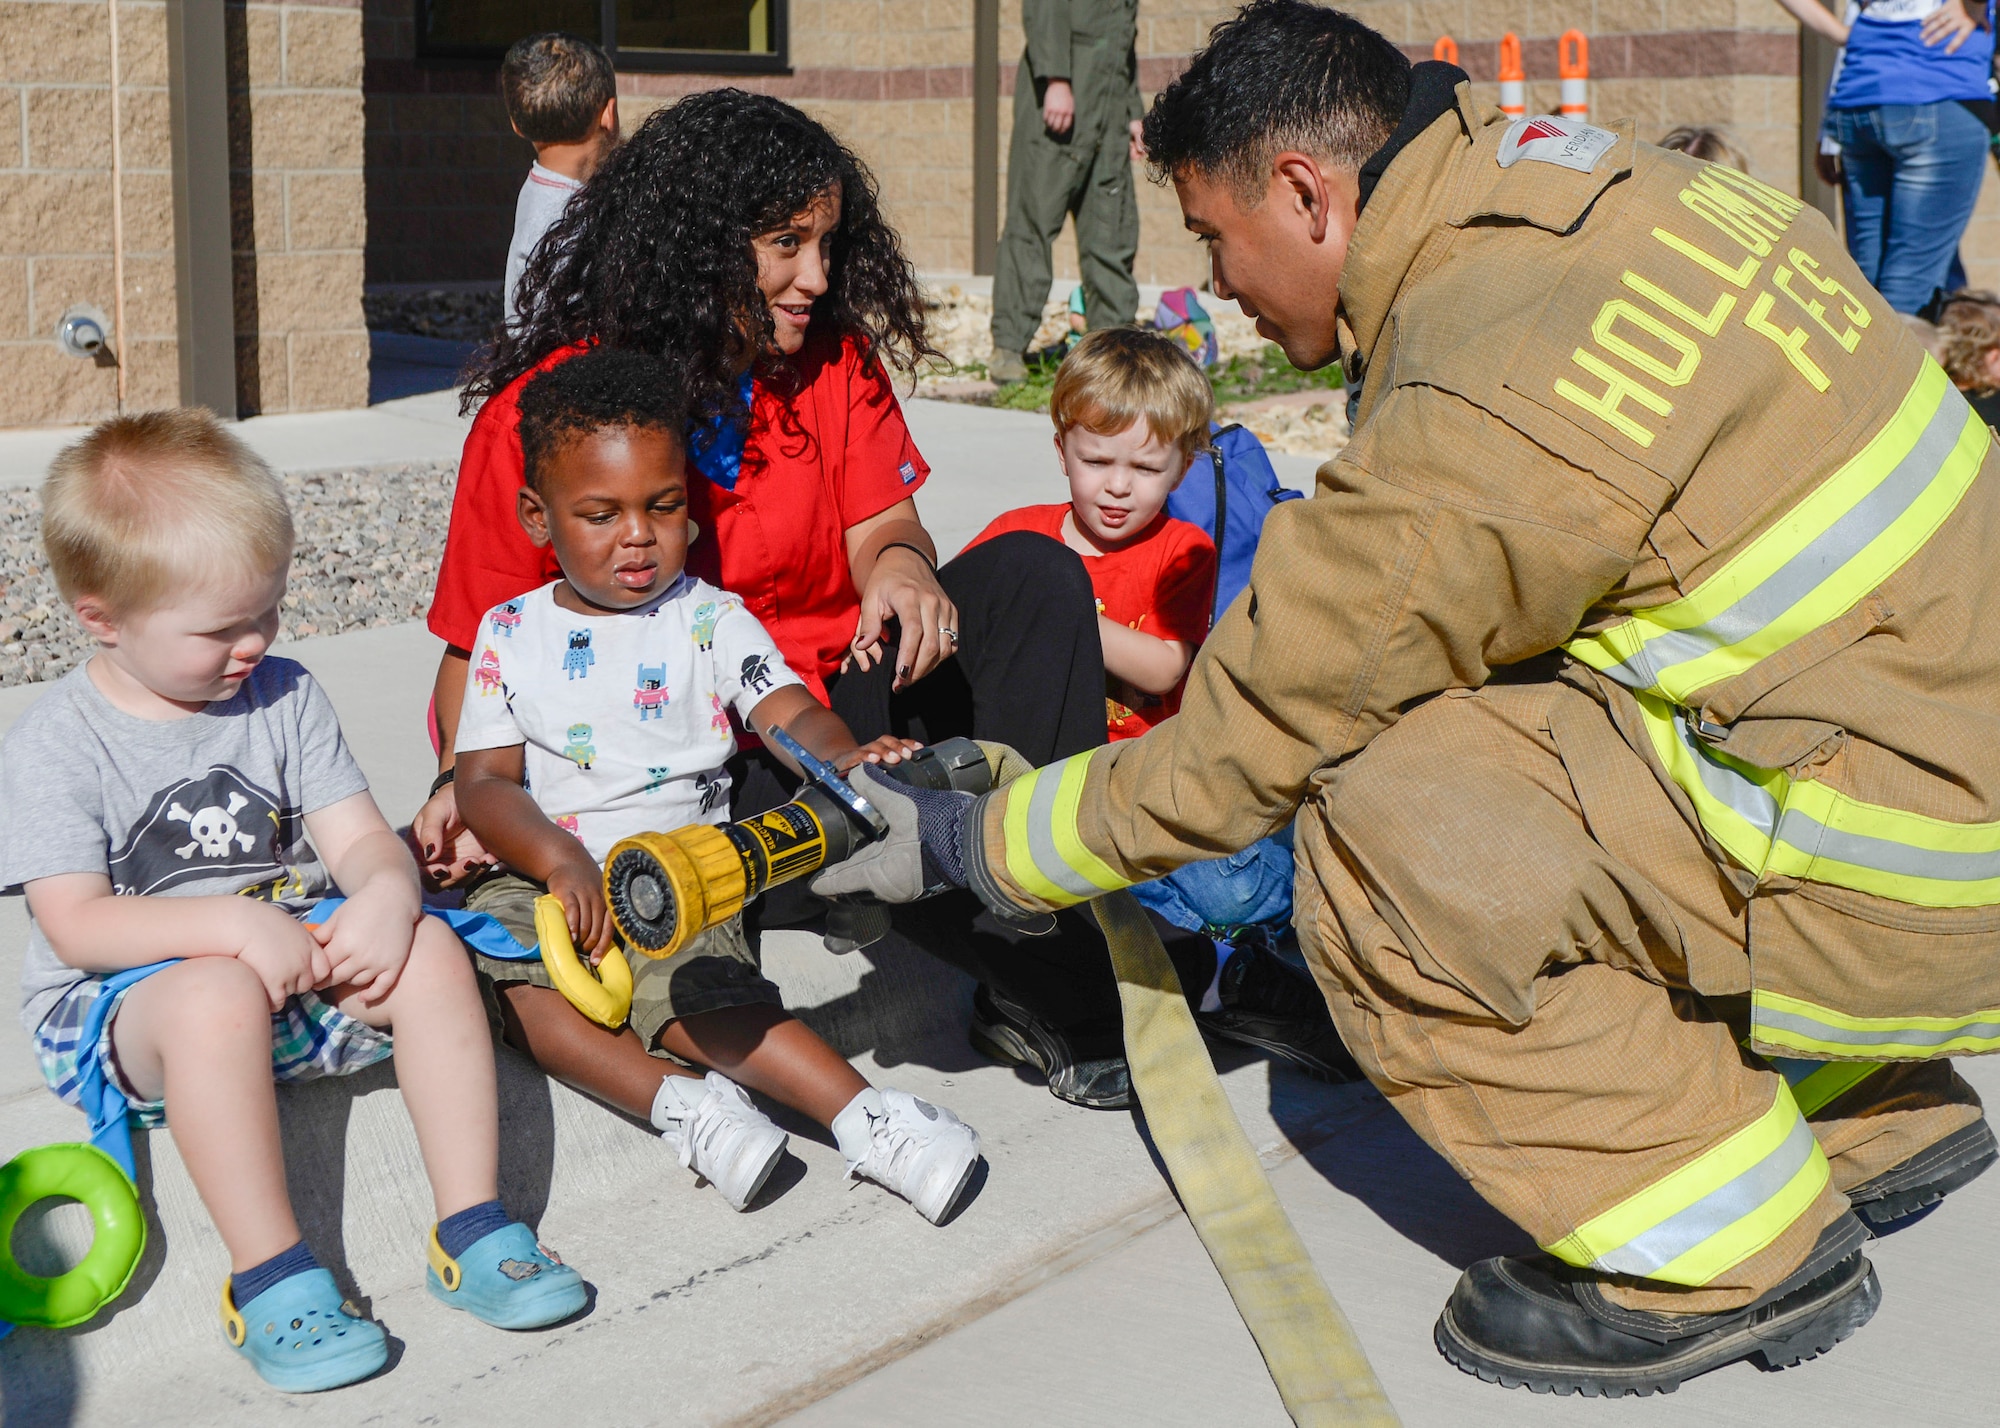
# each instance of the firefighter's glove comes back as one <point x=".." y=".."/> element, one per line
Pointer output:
<point x="920" y="856"/>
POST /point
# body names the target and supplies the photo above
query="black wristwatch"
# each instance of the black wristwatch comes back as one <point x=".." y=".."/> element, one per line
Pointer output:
<point x="442" y="779"/>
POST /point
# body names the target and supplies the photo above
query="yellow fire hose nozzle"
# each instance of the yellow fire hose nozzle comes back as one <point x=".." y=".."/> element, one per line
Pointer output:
<point x="606" y="996"/>
<point x="664" y="888"/>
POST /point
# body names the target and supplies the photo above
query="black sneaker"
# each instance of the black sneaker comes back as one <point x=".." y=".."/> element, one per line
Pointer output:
<point x="1273" y="1006"/>
<point x="1925" y="1178"/>
<point x="1534" y="1322"/>
<point x="1007" y="1031"/>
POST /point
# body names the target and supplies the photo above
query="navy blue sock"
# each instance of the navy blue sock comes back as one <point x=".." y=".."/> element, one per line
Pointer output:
<point x="459" y="1233"/>
<point x="247" y="1284"/>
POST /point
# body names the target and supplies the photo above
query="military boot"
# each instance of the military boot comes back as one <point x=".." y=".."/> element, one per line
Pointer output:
<point x="1535" y="1322"/>
<point x="1005" y="367"/>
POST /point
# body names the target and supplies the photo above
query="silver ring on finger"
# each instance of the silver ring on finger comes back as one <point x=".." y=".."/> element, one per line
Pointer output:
<point x="949" y="633"/>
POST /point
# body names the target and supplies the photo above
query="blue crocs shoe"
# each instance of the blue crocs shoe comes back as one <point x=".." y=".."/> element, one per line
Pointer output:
<point x="506" y="1279"/>
<point x="301" y="1336"/>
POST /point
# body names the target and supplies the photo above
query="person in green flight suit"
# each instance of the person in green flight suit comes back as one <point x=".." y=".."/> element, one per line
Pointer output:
<point x="1076" y="137"/>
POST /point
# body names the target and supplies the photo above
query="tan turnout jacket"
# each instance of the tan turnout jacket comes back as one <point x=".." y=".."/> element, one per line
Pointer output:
<point x="1639" y="384"/>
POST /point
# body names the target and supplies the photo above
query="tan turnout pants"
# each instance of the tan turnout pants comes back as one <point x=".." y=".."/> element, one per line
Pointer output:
<point x="1532" y="955"/>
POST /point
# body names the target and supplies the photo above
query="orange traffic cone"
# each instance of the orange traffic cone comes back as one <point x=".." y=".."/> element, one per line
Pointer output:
<point x="1513" y="81"/>
<point x="1573" y="63"/>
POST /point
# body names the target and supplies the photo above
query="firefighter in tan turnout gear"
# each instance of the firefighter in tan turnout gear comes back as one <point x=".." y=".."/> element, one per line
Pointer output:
<point x="1632" y="677"/>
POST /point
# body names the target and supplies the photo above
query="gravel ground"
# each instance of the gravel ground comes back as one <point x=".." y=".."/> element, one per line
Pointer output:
<point x="458" y="313"/>
<point x="369" y="542"/>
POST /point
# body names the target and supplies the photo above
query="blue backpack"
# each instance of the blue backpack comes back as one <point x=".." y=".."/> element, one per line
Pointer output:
<point x="1232" y="507"/>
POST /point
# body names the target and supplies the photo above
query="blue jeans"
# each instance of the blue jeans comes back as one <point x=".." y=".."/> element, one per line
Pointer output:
<point x="1246" y="895"/>
<point x="1912" y="175"/>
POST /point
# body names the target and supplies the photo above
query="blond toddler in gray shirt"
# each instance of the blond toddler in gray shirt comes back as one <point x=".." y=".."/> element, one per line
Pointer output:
<point x="186" y="800"/>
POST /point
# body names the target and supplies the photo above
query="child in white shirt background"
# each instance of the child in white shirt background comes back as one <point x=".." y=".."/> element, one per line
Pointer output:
<point x="561" y="96"/>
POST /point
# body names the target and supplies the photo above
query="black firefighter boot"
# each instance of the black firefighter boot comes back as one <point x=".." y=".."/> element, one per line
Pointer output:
<point x="1916" y="1184"/>
<point x="1534" y="1321"/>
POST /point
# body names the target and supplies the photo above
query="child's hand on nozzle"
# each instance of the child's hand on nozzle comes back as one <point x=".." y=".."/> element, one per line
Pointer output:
<point x="580" y="885"/>
<point x="889" y="749"/>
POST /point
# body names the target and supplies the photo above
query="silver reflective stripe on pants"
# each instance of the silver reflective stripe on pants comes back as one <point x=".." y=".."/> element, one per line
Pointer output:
<point x="1647" y="1253"/>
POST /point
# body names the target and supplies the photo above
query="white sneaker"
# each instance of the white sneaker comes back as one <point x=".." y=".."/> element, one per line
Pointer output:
<point x="719" y="1134"/>
<point x="922" y="1152"/>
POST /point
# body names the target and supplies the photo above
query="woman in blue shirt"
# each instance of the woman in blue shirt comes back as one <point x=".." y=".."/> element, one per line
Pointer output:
<point x="1911" y="154"/>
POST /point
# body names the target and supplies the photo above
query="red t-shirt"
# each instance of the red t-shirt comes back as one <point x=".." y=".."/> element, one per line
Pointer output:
<point x="1160" y="583"/>
<point x="826" y="452"/>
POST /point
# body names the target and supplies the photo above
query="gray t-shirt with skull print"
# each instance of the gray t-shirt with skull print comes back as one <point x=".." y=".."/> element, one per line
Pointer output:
<point x="213" y="803"/>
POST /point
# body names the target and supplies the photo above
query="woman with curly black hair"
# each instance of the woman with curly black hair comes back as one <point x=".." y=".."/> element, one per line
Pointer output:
<point x="741" y="243"/>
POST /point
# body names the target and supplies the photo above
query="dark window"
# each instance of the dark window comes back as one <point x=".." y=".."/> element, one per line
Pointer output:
<point x="721" y="36"/>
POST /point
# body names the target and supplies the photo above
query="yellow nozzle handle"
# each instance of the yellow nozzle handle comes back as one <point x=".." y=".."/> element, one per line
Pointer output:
<point x="605" y="998"/>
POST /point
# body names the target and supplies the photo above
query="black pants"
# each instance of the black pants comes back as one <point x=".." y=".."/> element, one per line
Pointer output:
<point x="1029" y="673"/>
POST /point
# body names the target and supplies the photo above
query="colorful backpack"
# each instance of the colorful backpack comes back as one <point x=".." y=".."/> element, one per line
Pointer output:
<point x="1232" y="507"/>
<point x="1181" y="316"/>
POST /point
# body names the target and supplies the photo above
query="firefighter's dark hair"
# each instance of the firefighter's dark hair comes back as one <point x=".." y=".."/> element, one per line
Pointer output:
<point x="600" y="388"/>
<point x="1278" y="75"/>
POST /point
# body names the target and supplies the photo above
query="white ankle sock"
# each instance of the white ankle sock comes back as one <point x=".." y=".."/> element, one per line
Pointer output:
<point x="676" y="1093"/>
<point x="850" y="1127"/>
<point x="1211" y="1000"/>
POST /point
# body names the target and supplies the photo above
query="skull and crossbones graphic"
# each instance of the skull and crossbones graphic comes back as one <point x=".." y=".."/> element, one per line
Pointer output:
<point x="212" y="828"/>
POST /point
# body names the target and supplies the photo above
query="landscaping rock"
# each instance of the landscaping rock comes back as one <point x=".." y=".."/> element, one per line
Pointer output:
<point x="369" y="540"/>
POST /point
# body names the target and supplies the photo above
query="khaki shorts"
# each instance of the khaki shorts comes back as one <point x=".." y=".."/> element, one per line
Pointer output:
<point x="717" y="969"/>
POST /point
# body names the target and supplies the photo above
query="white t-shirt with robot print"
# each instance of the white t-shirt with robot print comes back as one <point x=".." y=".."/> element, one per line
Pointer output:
<point x="624" y="716"/>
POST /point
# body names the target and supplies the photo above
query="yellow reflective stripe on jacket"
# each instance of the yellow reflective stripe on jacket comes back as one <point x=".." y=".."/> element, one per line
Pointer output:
<point x="1772" y="823"/>
<point x="1818" y="1084"/>
<point x="1777" y="1020"/>
<point x="1045" y="856"/>
<point x="1820" y="560"/>
<point x="1712" y="1213"/>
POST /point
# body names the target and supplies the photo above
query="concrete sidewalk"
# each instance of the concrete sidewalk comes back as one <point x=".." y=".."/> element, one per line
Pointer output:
<point x="1068" y="1292"/>
<point x="736" y="1318"/>
<point x="423" y="428"/>
<point x="984" y="459"/>
<point x="859" y="1275"/>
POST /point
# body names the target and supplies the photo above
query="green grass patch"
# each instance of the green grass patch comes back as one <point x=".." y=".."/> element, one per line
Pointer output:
<point x="1268" y="374"/>
<point x="1240" y="379"/>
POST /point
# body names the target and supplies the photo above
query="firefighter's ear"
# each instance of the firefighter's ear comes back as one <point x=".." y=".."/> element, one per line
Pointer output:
<point x="1306" y="182"/>
<point x="694" y="532"/>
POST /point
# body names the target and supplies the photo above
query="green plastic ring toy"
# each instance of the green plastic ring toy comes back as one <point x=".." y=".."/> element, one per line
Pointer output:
<point x="85" y="1174"/>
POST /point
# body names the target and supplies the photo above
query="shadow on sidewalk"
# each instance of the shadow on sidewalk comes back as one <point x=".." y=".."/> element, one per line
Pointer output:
<point x="1375" y="1157"/>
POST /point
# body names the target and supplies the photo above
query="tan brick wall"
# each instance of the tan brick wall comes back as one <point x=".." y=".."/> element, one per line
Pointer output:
<point x="892" y="77"/>
<point x="1760" y="110"/>
<point x="300" y="224"/>
<point x="55" y="227"/>
<point x="917" y="141"/>
<point x="444" y="167"/>
<point x="296" y="161"/>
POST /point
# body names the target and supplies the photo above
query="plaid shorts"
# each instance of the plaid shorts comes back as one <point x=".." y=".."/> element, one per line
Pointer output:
<point x="309" y="1039"/>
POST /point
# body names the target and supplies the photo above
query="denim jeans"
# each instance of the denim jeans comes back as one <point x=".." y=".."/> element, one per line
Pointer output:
<point x="1913" y="173"/>
<point x="1246" y="895"/>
